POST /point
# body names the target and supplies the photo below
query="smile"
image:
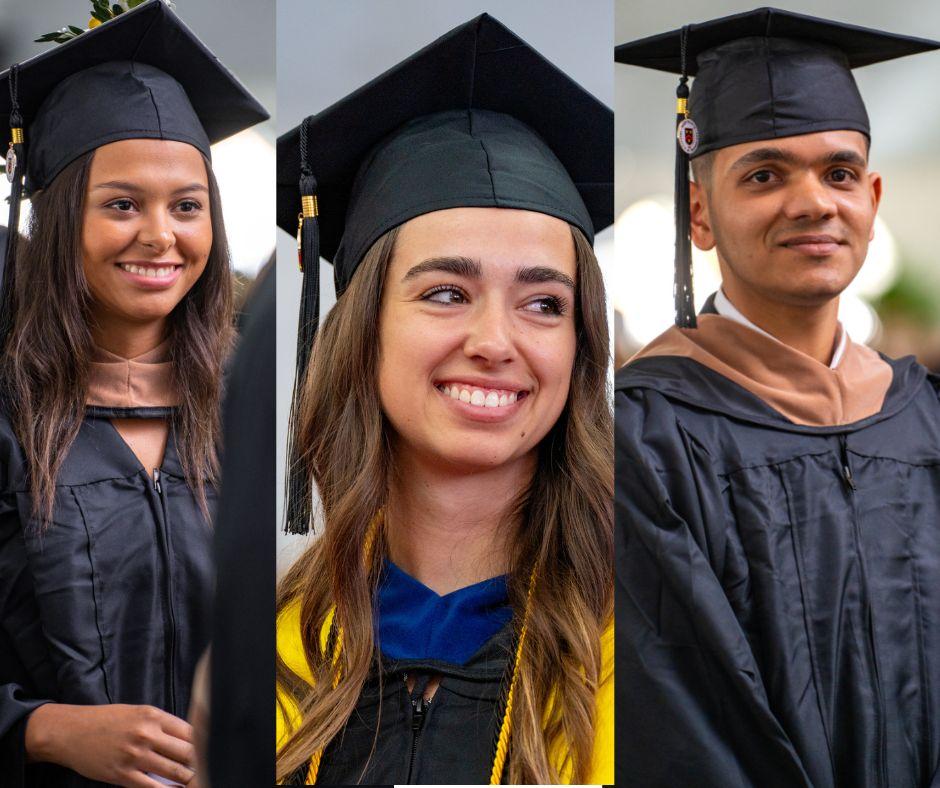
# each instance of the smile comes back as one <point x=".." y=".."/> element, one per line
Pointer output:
<point x="481" y="397"/>
<point x="151" y="276"/>
<point x="150" y="271"/>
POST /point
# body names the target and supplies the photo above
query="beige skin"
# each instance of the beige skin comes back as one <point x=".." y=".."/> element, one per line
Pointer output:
<point x="160" y="213"/>
<point x="455" y="477"/>
<point x="768" y="207"/>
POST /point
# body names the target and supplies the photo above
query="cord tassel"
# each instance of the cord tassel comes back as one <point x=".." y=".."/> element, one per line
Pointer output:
<point x="299" y="473"/>
<point x="16" y="168"/>
<point x="686" y="143"/>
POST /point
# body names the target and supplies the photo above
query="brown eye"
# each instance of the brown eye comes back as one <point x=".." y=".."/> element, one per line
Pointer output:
<point x="546" y="305"/>
<point x="842" y="175"/>
<point x="445" y="294"/>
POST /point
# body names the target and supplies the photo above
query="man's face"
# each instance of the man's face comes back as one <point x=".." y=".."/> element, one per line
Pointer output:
<point x="791" y="218"/>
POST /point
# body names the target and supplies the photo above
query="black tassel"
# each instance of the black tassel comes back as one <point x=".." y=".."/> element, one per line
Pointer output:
<point x="16" y="163"/>
<point x="686" y="134"/>
<point x="299" y="475"/>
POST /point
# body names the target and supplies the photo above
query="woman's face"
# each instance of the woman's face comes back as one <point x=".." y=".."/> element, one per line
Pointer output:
<point x="146" y="231"/>
<point x="477" y="334"/>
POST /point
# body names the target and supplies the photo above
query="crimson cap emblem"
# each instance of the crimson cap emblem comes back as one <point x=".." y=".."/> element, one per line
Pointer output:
<point x="11" y="164"/>
<point x="687" y="134"/>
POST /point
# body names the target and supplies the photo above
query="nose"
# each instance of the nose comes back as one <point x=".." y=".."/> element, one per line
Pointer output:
<point x="156" y="232"/>
<point x="490" y="334"/>
<point x="810" y="199"/>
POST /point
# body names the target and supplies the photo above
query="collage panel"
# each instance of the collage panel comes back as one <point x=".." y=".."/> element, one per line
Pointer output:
<point x="453" y="164"/>
<point x="135" y="253"/>
<point x="778" y="425"/>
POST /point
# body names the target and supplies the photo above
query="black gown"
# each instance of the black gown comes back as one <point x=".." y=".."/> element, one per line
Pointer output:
<point x="777" y="586"/>
<point x="111" y="603"/>
<point x="450" y="740"/>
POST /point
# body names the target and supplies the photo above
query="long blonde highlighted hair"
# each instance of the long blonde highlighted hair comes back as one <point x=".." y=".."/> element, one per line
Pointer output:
<point x="566" y="536"/>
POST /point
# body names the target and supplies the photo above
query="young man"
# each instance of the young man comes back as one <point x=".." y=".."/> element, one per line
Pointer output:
<point x="777" y="484"/>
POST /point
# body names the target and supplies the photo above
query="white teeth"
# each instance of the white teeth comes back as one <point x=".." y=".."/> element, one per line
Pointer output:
<point x="478" y="397"/>
<point x="151" y="273"/>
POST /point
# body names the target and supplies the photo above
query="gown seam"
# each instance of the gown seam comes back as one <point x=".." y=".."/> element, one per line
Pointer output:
<point x="807" y="629"/>
<point x="96" y="591"/>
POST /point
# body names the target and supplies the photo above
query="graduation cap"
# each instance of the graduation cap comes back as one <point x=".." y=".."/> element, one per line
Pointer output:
<point x="477" y="118"/>
<point x="759" y="75"/>
<point x="143" y="74"/>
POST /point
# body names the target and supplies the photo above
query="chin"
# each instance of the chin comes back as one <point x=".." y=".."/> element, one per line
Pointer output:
<point x="473" y="457"/>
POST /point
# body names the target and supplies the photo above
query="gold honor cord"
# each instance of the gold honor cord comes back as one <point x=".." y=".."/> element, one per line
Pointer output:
<point x="505" y="727"/>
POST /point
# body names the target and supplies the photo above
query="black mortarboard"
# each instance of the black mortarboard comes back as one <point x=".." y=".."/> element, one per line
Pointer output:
<point x="759" y="75"/>
<point x="477" y="118"/>
<point x="143" y="74"/>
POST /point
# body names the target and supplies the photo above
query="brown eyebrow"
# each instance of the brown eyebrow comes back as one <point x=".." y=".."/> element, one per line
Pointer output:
<point x="541" y="273"/>
<point x="126" y="186"/>
<point x="471" y="269"/>
<point x="458" y="266"/>
<point x="761" y="155"/>
<point x="847" y="157"/>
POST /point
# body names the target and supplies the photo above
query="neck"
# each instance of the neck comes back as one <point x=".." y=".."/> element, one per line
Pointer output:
<point x="810" y="329"/>
<point x="444" y="527"/>
<point x="127" y="340"/>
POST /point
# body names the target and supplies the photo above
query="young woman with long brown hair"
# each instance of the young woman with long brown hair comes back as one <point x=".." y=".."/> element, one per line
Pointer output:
<point x="117" y="316"/>
<point x="453" y="621"/>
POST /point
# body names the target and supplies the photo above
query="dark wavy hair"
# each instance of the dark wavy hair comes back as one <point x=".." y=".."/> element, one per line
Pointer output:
<point x="45" y="358"/>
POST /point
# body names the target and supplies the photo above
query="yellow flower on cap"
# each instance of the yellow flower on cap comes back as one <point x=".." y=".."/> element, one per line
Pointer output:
<point x="93" y="23"/>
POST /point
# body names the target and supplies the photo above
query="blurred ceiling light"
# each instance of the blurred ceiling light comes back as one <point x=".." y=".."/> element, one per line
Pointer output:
<point x="858" y="318"/>
<point x="244" y="169"/>
<point x="642" y="282"/>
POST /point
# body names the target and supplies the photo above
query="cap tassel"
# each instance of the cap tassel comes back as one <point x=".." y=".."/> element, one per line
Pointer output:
<point x="299" y="480"/>
<point x="686" y="139"/>
<point x="16" y="167"/>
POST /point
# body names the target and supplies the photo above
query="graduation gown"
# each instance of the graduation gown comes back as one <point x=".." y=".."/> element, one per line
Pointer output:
<point x="110" y="603"/>
<point x="777" y="565"/>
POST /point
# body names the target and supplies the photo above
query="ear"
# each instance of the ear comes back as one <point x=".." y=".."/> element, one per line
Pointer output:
<point x="702" y="235"/>
<point x="874" y="190"/>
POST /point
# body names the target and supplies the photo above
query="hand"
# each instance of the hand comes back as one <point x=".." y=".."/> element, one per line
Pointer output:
<point x="115" y="743"/>
<point x="199" y="719"/>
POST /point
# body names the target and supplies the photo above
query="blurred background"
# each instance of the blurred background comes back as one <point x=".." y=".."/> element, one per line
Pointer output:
<point x="894" y="303"/>
<point x="327" y="50"/>
<point x="241" y="34"/>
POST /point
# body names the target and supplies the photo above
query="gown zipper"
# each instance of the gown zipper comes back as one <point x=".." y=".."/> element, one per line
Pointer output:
<point x="163" y="525"/>
<point x="869" y="612"/>
<point x="419" y="711"/>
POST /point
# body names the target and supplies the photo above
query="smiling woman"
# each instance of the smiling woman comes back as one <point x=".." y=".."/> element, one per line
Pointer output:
<point x="452" y="623"/>
<point x="116" y="319"/>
